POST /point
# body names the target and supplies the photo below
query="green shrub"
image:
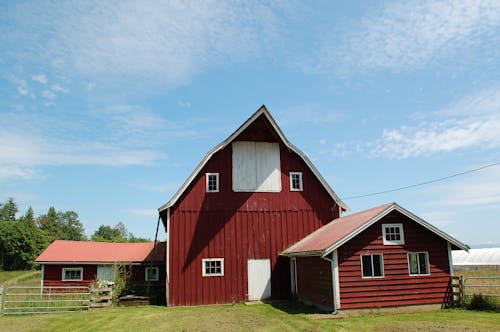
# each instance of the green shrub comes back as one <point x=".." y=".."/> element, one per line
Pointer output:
<point x="481" y="303"/>
<point x="122" y="282"/>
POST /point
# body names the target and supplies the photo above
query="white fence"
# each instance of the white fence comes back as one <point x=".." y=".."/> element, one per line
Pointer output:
<point x="17" y="300"/>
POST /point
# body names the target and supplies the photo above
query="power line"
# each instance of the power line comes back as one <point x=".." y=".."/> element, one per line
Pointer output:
<point x="424" y="183"/>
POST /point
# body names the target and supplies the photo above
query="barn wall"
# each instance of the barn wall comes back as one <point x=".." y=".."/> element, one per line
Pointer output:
<point x="52" y="275"/>
<point x="238" y="226"/>
<point x="397" y="287"/>
<point x="314" y="281"/>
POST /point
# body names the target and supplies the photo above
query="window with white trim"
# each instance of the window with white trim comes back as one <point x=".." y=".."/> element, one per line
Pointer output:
<point x="212" y="267"/>
<point x="418" y="263"/>
<point x="295" y="181"/>
<point x="393" y="234"/>
<point x="72" y="274"/>
<point x="372" y="266"/>
<point x="152" y="274"/>
<point x="212" y="182"/>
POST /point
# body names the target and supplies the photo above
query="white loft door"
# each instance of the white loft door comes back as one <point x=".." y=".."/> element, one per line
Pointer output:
<point x="259" y="279"/>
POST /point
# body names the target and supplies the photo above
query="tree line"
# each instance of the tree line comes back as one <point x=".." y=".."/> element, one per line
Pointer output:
<point x="23" y="238"/>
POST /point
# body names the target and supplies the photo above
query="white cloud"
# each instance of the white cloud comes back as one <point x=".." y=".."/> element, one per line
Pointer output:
<point x="47" y="94"/>
<point x="40" y="78"/>
<point x="58" y="88"/>
<point x="154" y="41"/>
<point x="184" y="104"/>
<point x="410" y="34"/>
<point x="472" y="122"/>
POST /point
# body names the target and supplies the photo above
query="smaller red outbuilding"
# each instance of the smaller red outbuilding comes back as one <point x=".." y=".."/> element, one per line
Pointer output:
<point x="384" y="256"/>
<point x="79" y="263"/>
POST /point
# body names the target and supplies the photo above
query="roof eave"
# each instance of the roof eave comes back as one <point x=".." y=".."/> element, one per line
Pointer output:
<point x="262" y="110"/>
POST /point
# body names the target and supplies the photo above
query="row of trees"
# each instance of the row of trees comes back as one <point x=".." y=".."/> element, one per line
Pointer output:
<point x="23" y="238"/>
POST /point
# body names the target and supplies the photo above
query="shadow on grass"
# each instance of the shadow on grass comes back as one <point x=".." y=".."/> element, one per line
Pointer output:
<point x="294" y="307"/>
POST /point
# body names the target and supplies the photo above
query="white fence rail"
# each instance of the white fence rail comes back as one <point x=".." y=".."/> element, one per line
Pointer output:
<point x="17" y="300"/>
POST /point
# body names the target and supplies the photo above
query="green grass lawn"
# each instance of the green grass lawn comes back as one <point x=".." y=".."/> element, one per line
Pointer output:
<point x="258" y="317"/>
<point x="11" y="278"/>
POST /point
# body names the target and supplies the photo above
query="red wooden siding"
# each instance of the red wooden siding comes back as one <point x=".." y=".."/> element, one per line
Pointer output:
<point x="314" y="283"/>
<point x="52" y="275"/>
<point x="238" y="226"/>
<point x="397" y="287"/>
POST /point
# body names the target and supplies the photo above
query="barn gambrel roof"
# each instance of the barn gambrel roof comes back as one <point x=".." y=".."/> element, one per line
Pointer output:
<point x="261" y="111"/>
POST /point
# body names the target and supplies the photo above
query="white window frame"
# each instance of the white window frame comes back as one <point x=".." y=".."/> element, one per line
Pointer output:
<point x="381" y="266"/>
<point x="418" y="260"/>
<point x="300" y="181"/>
<point x="393" y="242"/>
<point x="80" y="269"/>
<point x="207" y="260"/>
<point x="207" y="177"/>
<point x="156" y="275"/>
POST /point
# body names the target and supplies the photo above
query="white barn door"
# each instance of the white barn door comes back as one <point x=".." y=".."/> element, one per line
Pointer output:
<point x="259" y="279"/>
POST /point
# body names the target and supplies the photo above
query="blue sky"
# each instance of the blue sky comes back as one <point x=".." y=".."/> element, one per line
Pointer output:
<point x="107" y="107"/>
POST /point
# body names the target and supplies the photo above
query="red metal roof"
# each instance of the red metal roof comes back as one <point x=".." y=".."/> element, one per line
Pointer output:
<point x="332" y="235"/>
<point x="101" y="252"/>
<point x="335" y="231"/>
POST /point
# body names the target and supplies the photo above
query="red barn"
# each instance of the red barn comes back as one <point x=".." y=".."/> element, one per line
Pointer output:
<point x="384" y="256"/>
<point x="254" y="221"/>
<point x="79" y="263"/>
<point x="251" y="197"/>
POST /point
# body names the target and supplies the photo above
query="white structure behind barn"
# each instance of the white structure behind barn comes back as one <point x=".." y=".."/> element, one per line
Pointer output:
<point x="475" y="259"/>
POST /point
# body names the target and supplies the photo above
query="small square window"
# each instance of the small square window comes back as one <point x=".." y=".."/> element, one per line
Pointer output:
<point x="152" y="274"/>
<point x="212" y="267"/>
<point x="372" y="266"/>
<point x="72" y="274"/>
<point x="418" y="263"/>
<point x="393" y="234"/>
<point x="295" y="181"/>
<point x="212" y="182"/>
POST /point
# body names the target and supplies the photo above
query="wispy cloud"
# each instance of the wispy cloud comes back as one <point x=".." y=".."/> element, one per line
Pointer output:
<point x="40" y="78"/>
<point x="166" y="42"/>
<point x="58" y="88"/>
<point x="408" y="35"/>
<point x="47" y="94"/>
<point x="472" y="122"/>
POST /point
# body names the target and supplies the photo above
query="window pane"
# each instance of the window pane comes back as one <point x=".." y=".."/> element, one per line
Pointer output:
<point x="367" y="266"/>
<point x="377" y="265"/>
<point x="413" y="263"/>
<point x="422" y="262"/>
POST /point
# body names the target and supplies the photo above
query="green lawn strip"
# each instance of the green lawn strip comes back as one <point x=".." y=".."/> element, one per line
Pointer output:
<point x="440" y="320"/>
<point x="261" y="317"/>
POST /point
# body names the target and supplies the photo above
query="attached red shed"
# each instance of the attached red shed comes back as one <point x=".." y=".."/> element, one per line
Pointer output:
<point x="252" y="196"/>
<point x="384" y="256"/>
<point x="79" y="263"/>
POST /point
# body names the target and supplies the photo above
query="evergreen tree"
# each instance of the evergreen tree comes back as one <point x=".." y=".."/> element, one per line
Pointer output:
<point x="29" y="218"/>
<point x="8" y="210"/>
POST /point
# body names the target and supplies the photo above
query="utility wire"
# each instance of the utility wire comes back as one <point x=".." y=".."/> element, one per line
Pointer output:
<point x="424" y="183"/>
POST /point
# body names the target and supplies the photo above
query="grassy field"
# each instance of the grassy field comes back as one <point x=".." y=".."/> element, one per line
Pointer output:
<point x="10" y="278"/>
<point x="259" y="317"/>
